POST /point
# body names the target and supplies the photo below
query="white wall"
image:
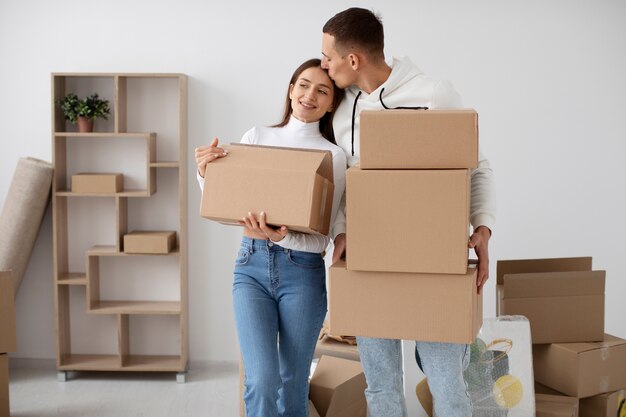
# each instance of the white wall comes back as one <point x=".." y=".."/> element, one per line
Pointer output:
<point x="547" y="79"/>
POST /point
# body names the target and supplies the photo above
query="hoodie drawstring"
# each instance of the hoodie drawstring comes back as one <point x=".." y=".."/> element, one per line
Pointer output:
<point x="353" y="116"/>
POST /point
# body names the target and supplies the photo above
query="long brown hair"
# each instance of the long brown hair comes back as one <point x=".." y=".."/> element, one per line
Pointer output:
<point x="326" y="122"/>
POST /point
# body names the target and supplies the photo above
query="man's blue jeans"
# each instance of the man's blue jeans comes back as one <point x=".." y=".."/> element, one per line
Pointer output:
<point x="279" y="296"/>
<point x="443" y="365"/>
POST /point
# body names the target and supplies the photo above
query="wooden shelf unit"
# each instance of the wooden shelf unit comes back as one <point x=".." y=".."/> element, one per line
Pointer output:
<point x="136" y="100"/>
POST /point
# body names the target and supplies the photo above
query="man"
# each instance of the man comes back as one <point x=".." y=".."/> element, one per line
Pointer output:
<point x="352" y="49"/>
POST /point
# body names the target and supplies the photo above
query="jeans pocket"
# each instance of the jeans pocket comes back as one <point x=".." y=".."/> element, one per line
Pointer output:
<point x="307" y="260"/>
<point x="242" y="257"/>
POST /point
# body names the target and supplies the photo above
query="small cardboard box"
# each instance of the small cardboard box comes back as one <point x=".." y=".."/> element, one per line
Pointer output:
<point x="4" y="385"/>
<point x="393" y="305"/>
<point x="419" y="139"/>
<point x="407" y="220"/>
<point x="7" y="313"/>
<point x="149" y="242"/>
<point x="337" y="388"/>
<point x="555" y="406"/>
<point x="97" y="183"/>
<point x="312" y="411"/>
<point x="330" y="347"/>
<point x="560" y="306"/>
<point x="526" y="266"/>
<point x="294" y="187"/>
<point x="582" y="369"/>
<point x="610" y="404"/>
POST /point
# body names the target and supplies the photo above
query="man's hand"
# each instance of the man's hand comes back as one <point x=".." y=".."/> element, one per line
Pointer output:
<point x="340" y="247"/>
<point x="479" y="241"/>
<point x="261" y="228"/>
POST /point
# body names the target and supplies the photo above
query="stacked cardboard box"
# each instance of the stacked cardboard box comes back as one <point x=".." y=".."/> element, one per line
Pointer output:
<point x="563" y="298"/>
<point x="7" y="337"/>
<point x="406" y="274"/>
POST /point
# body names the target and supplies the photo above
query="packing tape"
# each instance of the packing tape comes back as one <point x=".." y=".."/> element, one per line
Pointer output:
<point x="604" y="353"/>
<point x="603" y="386"/>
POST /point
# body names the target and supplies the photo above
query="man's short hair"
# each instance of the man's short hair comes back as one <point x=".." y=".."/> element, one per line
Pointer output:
<point x="359" y="29"/>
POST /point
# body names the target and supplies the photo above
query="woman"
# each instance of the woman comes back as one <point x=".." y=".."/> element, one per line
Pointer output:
<point x="279" y="289"/>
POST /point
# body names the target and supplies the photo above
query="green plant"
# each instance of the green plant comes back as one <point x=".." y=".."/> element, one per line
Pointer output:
<point x="91" y="107"/>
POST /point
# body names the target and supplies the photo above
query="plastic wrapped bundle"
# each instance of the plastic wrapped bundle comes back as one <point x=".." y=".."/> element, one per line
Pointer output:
<point x="22" y="214"/>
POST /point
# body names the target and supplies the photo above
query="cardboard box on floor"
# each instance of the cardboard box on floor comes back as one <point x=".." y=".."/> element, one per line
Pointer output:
<point x="97" y="183"/>
<point x="407" y="220"/>
<point x="7" y="313"/>
<point x="419" y="139"/>
<point x="294" y="187"/>
<point x="562" y="306"/>
<point x="582" y="369"/>
<point x="611" y="404"/>
<point x="337" y="388"/>
<point x="4" y="384"/>
<point x="149" y="242"/>
<point x="394" y="305"/>
<point x="330" y="347"/>
<point x="555" y="406"/>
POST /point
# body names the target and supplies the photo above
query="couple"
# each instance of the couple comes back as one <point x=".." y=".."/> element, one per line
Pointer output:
<point x="279" y="291"/>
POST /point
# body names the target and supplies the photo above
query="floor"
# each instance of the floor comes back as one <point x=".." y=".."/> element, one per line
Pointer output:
<point x="212" y="391"/>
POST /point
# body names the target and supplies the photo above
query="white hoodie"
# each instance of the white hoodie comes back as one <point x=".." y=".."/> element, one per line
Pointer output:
<point x="407" y="85"/>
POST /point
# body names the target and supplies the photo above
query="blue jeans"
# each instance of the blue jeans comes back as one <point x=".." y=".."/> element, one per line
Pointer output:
<point x="443" y="365"/>
<point x="279" y="297"/>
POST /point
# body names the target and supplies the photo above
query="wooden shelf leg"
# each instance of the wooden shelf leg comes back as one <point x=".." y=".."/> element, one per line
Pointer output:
<point x="181" y="377"/>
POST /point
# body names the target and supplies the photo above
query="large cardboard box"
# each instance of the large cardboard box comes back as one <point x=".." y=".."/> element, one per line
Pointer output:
<point x="97" y="183"/>
<point x="337" y="388"/>
<point x="4" y="385"/>
<point x="407" y="220"/>
<point x="7" y="313"/>
<point x="424" y="139"/>
<point x="555" y="406"/>
<point x="610" y="404"/>
<point x="149" y="242"/>
<point x="294" y="187"/>
<point x="393" y="305"/>
<point x="560" y="306"/>
<point x="525" y="266"/>
<point x="582" y="369"/>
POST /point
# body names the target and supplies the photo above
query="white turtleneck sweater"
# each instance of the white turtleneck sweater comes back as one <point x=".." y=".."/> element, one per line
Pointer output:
<point x="407" y="85"/>
<point x="297" y="134"/>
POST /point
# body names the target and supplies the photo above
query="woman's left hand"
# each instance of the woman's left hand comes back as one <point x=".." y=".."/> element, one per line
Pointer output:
<point x="260" y="227"/>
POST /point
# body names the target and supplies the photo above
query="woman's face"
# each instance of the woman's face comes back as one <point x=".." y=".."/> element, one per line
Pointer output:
<point x="311" y="95"/>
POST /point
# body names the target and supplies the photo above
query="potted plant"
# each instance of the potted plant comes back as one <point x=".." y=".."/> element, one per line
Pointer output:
<point x="84" y="111"/>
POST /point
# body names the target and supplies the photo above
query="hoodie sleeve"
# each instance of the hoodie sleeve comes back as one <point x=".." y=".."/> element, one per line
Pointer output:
<point x="445" y="96"/>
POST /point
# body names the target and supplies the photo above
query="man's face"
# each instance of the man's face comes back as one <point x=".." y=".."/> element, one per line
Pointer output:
<point x="338" y="66"/>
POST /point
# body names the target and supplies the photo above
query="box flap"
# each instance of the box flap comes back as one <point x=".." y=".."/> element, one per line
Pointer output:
<point x="329" y="376"/>
<point x="555" y="405"/>
<point x="609" y="342"/>
<point x="550" y="284"/>
<point x="520" y="266"/>
<point x="290" y="159"/>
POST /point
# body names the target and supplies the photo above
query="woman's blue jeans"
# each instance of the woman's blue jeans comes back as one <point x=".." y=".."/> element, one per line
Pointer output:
<point x="279" y="296"/>
<point x="443" y="365"/>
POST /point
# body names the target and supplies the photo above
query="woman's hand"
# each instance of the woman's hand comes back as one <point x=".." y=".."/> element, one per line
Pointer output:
<point x="206" y="154"/>
<point x="261" y="228"/>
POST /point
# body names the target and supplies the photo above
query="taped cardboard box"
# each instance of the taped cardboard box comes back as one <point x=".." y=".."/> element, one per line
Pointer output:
<point x="407" y="220"/>
<point x="100" y="183"/>
<point x="393" y="305"/>
<point x="582" y="369"/>
<point x="337" y="388"/>
<point x="294" y="187"/>
<point x="560" y="306"/>
<point x="611" y="404"/>
<point x="419" y="139"/>
<point x="149" y="242"/>
<point x="7" y="313"/>
<point x="4" y="385"/>
<point x="555" y="406"/>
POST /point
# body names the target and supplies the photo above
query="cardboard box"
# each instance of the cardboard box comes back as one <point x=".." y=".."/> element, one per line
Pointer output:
<point x="149" y="242"/>
<point x="555" y="406"/>
<point x="419" y="139"/>
<point x="330" y="347"/>
<point x="393" y="305"/>
<point x="97" y="183"/>
<point x="294" y="187"/>
<point x="611" y="404"/>
<point x="525" y="266"/>
<point x="7" y="313"/>
<point x="407" y="220"/>
<point x="582" y="369"/>
<point x="560" y="306"/>
<point x="312" y="411"/>
<point x="4" y="385"/>
<point x="337" y="388"/>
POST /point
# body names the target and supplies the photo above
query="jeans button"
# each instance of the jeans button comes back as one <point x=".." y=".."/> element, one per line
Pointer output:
<point x="270" y="243"/>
